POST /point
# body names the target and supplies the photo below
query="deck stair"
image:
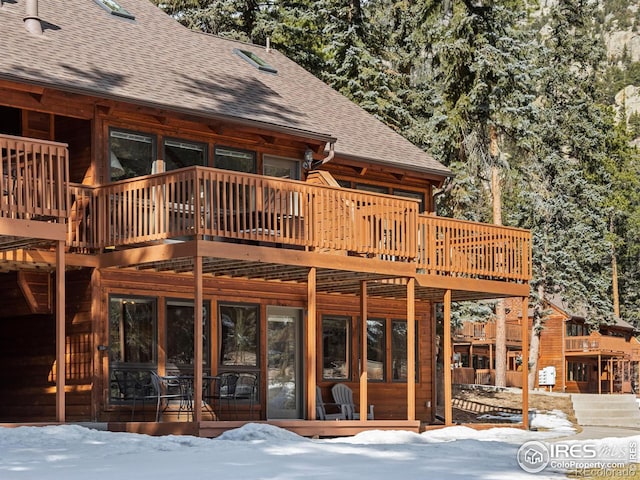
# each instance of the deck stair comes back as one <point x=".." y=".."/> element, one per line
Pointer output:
<point x="606" y="410"/>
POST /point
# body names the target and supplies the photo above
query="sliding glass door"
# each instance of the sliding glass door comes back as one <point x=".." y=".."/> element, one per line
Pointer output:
<point x="284" y="363"/>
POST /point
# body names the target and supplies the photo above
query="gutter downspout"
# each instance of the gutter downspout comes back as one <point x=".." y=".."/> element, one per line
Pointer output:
<point x="326" y="159"/>
<point x="32" y="20"/>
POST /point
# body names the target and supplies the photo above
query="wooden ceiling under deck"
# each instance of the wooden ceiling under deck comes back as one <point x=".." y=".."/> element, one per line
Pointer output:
<point x="328" y="280"/>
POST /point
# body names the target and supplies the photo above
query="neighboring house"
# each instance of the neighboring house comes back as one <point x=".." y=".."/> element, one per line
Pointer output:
<point x="474" y="347"/>
<point x="178" y="203"/>
<point x="605" y="360"/>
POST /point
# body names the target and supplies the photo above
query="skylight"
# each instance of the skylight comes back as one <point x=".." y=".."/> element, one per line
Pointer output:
<point x="115" y="9"/>
<point x="254" y="60"/>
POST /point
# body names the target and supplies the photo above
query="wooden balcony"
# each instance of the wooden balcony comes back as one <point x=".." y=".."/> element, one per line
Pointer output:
<point x="225" y="206"/>
<point x="600" y="344"/>
<point x="34" y="191"/>
<point x="485" y="333"/>
<point x="216" y="204"/>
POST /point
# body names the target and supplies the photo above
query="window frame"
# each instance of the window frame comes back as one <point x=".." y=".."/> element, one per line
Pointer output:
<point x="204" y="145"/>
<point x="216" y="157"/>
<point x="347" y="347"/>
<point x="221" y="365"/>
<point x="395" y="321"/>
<point x="383" y="344"/>
<point x="153" y="155"/>
<point x="206" y="328"/>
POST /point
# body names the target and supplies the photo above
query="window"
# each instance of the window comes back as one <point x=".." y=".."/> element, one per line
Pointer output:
<point x="335" y="348"/>
<point x="238" y="335"/>
<point x="183" y="153"/>
<point x="412" y="195"/>
<point x="132" y="344"/>
<point x="254" y="60"/>
<point x="115" y="9"/>
<point x="180" y="318"/>
<point x="577" y="372"/>
<point x="281" y="167"/>
<point x="399" y="351"/>
<point x="576" y="330"/>
<point x="234" y="159"/>
<point x="371" y="188"/>
<point x="130" y="154"/>
<point x="132" y="330"/>
<point x="376" y="349"/>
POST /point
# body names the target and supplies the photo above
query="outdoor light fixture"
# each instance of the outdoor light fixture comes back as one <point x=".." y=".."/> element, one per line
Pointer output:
<point x="308" y="158"/>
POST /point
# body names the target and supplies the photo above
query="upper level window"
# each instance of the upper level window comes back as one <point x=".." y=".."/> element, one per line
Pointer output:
<point x="130" y="154"/>
<point x="281" y="167"/>
<point x="115" y="9"/>
<point x="254" y="60"/>
<point x="411" y="194"/>
<point x="235" y="159"/>
<point x="371" y="188"/>
<point x="576" y="330"/>
<point x="183" y="153"/>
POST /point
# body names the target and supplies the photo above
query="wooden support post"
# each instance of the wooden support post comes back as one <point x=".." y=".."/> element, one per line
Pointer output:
<point x="60" y="332"/>
<point x="363" y="352"/>
<point x="197" y="339"/>
<point x="310" y="345"/>
<point x="599" y="374"/>
<point x="411" y="349"/>
<point x="490" y="359"/>
<point x="611" y="375"/>
<point x="525" y="362"/>
<point x="446" y="327"/>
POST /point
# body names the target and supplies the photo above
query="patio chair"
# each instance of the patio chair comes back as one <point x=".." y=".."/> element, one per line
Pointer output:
<point x="343" y="396"/>
<point x="132" y="387"/>
<point x="167" y="389"/>
<point x="246" y="390"/>
<point x="321" y="410"/>
<point x="225" y="389"/>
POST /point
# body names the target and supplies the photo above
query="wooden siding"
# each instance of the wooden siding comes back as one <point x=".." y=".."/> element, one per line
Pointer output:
<point x="27" y="353"/>
<point x="388" y="397"/>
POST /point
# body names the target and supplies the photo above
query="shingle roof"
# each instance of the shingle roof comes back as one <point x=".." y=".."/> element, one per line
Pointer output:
<point x="563" y="305"/>
<point x="157" y="62"/>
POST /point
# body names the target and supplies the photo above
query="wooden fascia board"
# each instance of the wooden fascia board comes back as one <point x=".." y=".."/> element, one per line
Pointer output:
<point x="305" y="259"/>
<point x="33" y="229"/>
<point x="49" y="258"/>
<point x="491" y="287"/>
<point x="153" y="253"/>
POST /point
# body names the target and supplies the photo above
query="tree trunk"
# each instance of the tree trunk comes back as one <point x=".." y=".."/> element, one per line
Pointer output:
<point x="501" y="345"/>
<point x="614" y="274"/>
<point x="534" y="341"/>
<point x="501" y="320"/>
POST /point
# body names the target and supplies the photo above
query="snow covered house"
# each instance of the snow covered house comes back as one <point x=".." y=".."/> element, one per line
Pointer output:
<point x="177" y="207"/>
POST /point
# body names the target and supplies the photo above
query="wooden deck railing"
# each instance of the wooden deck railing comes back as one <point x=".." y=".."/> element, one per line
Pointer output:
<point x="34" y="179"/>
<point x="209" y="203"/>
<point x="594" y="344"/>
<point x="478" y="331"/>
<point x="206" y="202"/>
<point x="474" y="250"/>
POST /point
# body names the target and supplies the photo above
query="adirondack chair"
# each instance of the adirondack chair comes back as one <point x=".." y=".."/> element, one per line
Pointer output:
<point x="321" y="411"/>
<point x="343" y="396"/>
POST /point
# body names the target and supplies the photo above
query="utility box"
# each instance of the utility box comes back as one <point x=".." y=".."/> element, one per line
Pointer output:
<point x="547" y="377"/>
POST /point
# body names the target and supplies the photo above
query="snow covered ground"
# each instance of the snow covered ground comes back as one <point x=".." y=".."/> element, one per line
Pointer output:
<point x="260" y="451"/>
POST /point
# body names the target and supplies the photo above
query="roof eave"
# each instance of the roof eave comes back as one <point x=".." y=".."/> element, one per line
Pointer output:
<point x="298" y="132"/>
<point x="440" y="174"/>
